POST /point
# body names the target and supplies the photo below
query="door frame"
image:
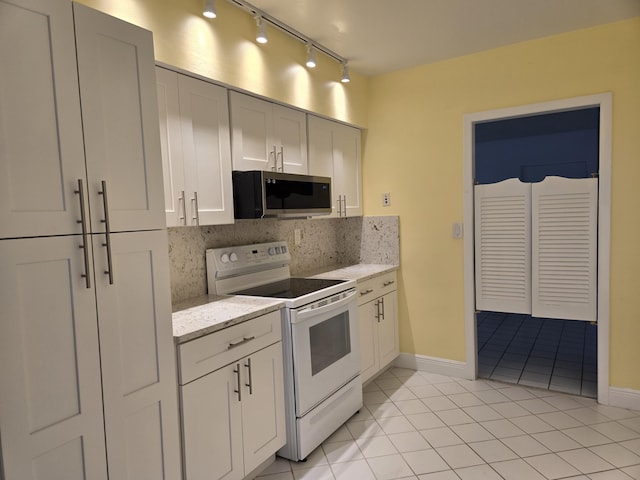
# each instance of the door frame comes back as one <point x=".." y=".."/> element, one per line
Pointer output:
<point x="604" y="102"/>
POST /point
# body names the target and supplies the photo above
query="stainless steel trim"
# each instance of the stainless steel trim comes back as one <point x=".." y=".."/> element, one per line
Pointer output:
<point x="83" y="222"/>
<point x="107" y="232"/>
<point x="239" y="390"/>
<point x="250" y="384"/>
<point x="339" y="205"/>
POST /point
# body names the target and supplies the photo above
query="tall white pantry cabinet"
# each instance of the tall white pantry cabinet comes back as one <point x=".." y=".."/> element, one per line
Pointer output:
<point x="87" y="370"/>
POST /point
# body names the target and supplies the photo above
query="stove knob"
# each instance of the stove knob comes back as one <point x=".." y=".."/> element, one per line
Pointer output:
<point x="271" y="251"/>
<point x="233" y="257"/>
<point x="224" y="258"/>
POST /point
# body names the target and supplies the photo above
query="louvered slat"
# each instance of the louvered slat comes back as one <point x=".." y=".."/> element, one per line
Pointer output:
<point x="564" y="256"/>
<point x="503" y="246"/>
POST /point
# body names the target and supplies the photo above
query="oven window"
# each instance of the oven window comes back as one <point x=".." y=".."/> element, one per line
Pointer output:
<point x="330" y="341"/>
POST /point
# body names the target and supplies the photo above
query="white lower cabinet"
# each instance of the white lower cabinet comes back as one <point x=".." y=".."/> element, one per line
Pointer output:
<point x="233" y="417"/>
<point x="378" y="317"/>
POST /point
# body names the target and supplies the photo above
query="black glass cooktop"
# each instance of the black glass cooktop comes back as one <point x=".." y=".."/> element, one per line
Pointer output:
<point x="290" y="288"/>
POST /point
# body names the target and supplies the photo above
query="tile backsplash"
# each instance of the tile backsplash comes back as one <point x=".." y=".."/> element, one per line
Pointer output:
<point x="324" y="243"/>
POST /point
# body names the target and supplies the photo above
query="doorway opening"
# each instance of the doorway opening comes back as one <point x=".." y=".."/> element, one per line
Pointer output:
<point x="522" y="332"/>
<point x="553" y="354"/>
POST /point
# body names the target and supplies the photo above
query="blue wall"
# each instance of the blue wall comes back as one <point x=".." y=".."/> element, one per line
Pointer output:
<point x="563" y="144"/>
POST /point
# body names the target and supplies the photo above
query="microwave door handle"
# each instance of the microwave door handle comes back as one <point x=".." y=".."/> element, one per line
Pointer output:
<point x="305" y="313"/>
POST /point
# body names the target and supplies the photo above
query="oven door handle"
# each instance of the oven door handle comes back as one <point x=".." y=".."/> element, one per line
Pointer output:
<point x="307" y="312"/>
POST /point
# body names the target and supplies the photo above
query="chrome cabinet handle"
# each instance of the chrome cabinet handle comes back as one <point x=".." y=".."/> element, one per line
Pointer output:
<point x="239" y="390"/>
<point x="377" y="315"/>
<point x="250" y="384"/>
<point x="107" y="232"/>
<point x="382" y="304"/>
<point x="194" y="202"/>
<point x="390" y="282"/>
<point x="344" y="204"/>
<point x="275" y="159"/>
<point x="182" y="199"/>
<point x="281" y="159"/>
<point x="237" y="344"/>
<point x="367" y="291"/>
<point x="339" y="205"/>
<point x="83" y="222"/>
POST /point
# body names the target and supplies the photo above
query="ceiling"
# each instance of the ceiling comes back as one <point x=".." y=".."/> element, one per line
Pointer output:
<point x="380" y="36"/>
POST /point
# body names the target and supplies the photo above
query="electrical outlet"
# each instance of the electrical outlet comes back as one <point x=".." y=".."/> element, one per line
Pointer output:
<point x="386" y="199"/>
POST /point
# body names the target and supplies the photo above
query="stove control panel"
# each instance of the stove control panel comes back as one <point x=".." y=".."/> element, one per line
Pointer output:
<point x="239" y="259"/>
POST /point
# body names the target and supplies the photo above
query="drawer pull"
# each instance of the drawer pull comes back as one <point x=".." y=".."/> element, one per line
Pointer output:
<point x="365" y="292"/>
<point x="237" y="344"/>
<point x="390" y="282"/>
<point x="250" y="384"/>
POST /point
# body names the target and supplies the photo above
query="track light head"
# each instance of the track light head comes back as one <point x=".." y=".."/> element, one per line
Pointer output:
<point x="311" y="56"/>
<point x="262" y="31"/>
<point x="209" y="9"/>
<point x="345" y="74"/>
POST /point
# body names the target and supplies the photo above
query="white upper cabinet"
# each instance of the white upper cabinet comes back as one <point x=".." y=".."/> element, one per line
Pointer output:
<point x="266" y="136"/>
<point x="120" y="120"/>
<point x="334" y="151"/>
<point x="41" y="156"/>
<point x="196" y="150"/>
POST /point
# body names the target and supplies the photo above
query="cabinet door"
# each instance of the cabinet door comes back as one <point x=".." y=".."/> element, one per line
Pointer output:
<point x="368" y="340"/>
<point x="263" y="422"/>
<point x="290" y="130"/>
<point x="171" y="147"/>
<point x="41" y="146"/>
<point x="138" y="358"/>
<point x="346" y="168"/>
<point x="212" y="426"/>
<point x="321" y="149"/>
<point x="120" y="118"/>
<point x="388" y="340"/>
<point x="206" y="147"/>
<point x="253" y="145"/>
<point x="50" y="401"/>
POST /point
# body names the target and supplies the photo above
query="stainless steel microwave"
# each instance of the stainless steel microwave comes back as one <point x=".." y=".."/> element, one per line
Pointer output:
<point x="258" y="194"/>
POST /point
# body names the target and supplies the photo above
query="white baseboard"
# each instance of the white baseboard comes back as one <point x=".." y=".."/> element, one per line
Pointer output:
<point x="624" y="398"/>
<point x="440" y="366"/>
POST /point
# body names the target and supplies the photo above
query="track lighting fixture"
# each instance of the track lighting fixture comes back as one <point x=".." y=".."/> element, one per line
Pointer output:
<point x="345" y="73"/>
<point x="311" y="56"/>
<point x="262" y="31"/>
<point x="262" y="18"/>
<point x="209" y="10"/>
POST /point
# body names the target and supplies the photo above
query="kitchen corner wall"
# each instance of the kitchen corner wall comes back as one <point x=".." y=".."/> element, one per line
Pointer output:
<point x="325" y="243"/>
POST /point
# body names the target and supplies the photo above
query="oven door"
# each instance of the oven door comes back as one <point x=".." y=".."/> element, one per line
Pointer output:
<point x="326" y="352"/>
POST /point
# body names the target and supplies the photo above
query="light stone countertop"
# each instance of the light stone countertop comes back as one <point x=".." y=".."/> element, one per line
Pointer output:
<point x="203" y="315"/>
<point x="359" y="272"/>
<point x="199" y="316"/>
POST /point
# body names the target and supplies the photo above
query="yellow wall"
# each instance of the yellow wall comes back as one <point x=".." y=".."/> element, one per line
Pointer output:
<point x="414" y="150"/>
<point x="413" y="147"/>
<point x="225" y="50"/>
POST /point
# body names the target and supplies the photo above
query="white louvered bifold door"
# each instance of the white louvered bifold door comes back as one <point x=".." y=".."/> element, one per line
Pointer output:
<point x="503" y="246"/>
<point x="564" y="259"/>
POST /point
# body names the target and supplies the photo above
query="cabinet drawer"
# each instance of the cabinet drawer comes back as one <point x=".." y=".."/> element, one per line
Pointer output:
<point x="376" y="287"/>
<point x="209" y="353"/>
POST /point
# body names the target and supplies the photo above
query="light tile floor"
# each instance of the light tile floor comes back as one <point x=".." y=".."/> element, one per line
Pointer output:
<point x="417" y="425"/>
<point x="559" y="355"/>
